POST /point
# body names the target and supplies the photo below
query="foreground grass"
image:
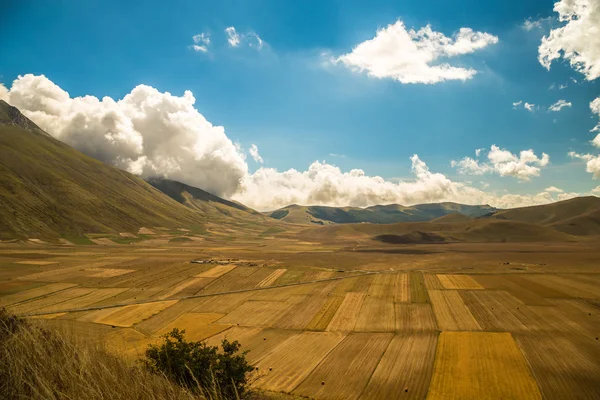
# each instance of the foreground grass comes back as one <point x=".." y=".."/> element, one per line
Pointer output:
<point x="36" y="363"/>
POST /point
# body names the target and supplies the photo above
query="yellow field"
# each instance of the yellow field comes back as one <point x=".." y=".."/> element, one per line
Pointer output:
<point x="347" y="313"/>
<point x="130" y="315"/>
<point x="197" y="326"/>
<point x="402" y="294"/>
<point x="183" y="285"/>
<point x="258" y="313"/>
<point x="432" y="282"/>
<point x="458" y="282"/>
<point x="451" y="312"/>
<point x="268" y="281"/>
<point x="479" y="366"/>
<point x="216" y="272"/>
<point x="36" y="262"/>
<point x="323" y="317"/>
<point x="107" y="272"/>
<point x="33" y="293"/>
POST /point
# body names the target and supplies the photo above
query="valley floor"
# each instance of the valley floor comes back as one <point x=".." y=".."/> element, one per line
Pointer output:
<point x="343" y="320"/>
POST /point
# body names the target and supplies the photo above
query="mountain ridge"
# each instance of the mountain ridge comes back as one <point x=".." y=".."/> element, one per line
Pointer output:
<point x="378" y="214"/>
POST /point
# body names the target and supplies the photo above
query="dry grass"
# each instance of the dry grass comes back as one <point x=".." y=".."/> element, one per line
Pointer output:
<point x="38" y="364"/>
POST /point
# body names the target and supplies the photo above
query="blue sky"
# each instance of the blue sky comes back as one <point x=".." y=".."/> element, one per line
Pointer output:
<point x="296" y="105"/>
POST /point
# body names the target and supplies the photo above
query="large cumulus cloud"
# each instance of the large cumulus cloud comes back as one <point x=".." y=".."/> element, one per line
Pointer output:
<point x="147" y="132"/>
<point x="151" y="133"/>
<point x="578" y="41"/>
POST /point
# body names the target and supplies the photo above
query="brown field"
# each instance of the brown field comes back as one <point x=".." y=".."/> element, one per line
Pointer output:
<point x="563" y="368"/>
<point x="405" y="368"/>
<point x="480" y="365"/>
<point x="357" y="356"/>
<point x="451" y="312"/>
<point x="383" y="285"/>
<point x="516" y="320"/>
<point x="418" y="291"/>
<point x="376" y="315"/>
<point x="415" y="318"/>
<point x="283" y="369"/>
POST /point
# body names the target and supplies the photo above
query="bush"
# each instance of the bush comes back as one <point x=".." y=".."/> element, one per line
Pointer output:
<point x="201" y="368"/>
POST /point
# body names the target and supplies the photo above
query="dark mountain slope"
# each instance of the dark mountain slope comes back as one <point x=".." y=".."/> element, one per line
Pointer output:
<point x="48" y="189"/>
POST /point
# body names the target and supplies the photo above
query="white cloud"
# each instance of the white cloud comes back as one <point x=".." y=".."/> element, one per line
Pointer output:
<point x="159" y="134"/>
<point x="596" y="190"/>
<point x="251" y="39"/>
<point x="524" y="166"/>
<point x="553" y="189"/>
<point x="201" y="42"/>
<point x="560" y="104"/>
<point x="595" y="107"/>
<point x="531" y="24"/>
<point x="147" y="132"/>
<point x="470" y="166"/>
<point x="3" y="92"/>
<point x="254" y="40"/>
<point x="478" y="151"/>
<point x="578" y="41"/>
<point x="410" y="56"/>
<point x="592" y="163"/>
<point x="255" y="155"/>
<point x="232" y="36"/>
<point x="527" y="106"/>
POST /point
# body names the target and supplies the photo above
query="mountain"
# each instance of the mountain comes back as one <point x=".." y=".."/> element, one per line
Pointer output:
<point x="578" y="216"/>
<point x="213" y="207"/>
<point x="48" y="190"/>
<point x="381" y="214"/>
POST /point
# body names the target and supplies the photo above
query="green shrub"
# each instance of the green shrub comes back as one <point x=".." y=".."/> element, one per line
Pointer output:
<point x="199" y="367"/>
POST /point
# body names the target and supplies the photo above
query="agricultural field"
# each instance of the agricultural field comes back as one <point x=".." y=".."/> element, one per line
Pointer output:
<point x="327" y="319"/>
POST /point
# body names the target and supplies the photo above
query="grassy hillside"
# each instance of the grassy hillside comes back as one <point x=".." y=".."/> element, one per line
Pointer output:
<point x="474" y="230"/>
<point x="49" y="189"/>
<point x="214" y="208"/>
<point x="380" y="214"/>
<point x="578" y="216"/>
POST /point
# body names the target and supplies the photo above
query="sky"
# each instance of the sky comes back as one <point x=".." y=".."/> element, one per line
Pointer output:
<point x="320" y="102"/>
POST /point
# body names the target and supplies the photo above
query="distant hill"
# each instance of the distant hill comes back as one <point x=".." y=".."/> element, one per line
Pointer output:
<point x="380" y="214"/>
<point x="474" y="230"/>
<point x="578" y="216"/>
<point x="48" y="189"/>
